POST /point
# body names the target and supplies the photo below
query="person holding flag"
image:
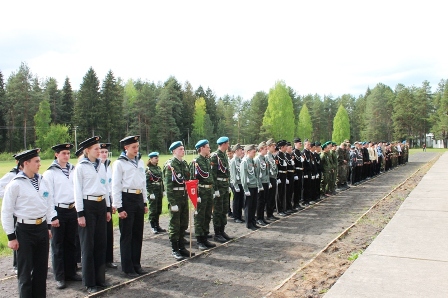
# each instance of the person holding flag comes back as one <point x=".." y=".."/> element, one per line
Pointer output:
<point x="200" y="169"/>
<point x="175" y="173"/>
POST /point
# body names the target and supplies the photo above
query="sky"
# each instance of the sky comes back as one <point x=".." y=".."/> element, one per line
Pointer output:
<point x="234" y="47"/>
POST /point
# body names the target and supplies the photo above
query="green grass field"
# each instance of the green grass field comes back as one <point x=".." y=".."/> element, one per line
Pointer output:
<point x="6" y="166"/>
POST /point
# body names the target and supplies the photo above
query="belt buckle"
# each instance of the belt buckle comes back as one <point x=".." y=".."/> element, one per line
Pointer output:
<point x="99" y="199"/>
<point x="138" y="191"/>
<point x="38" y="221"/>
<point x="71" y="206"/>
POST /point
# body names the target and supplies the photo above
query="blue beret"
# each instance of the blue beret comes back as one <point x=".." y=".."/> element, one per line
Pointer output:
<point x="352" y="147"/>
<point x="201" y="143"/>
<point x="324" y="145"/>
<point x="222" y="140"/>
<point x="175" y="145"/>
<point x="153" y="154"/>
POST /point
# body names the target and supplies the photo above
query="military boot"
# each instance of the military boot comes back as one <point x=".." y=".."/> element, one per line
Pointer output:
<point x="175" y="251"/>
<point x="154" y="227"/>
<point x="183" y="251"/>
<point x="224" y="234"/>
<point x="218" y="237"/>
<point x="159" y="229"/>
<point x="201" y="244"/>
<point x="207" y="243"/>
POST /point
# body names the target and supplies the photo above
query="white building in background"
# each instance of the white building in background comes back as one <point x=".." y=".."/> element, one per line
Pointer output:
<point x="431" y="143"/>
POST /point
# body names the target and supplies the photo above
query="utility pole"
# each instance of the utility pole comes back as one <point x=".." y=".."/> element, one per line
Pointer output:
<point x="76" y="140"/>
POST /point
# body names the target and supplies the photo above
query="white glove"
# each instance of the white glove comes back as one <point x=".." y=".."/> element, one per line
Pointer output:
<point x="292" y="162"/>
<point x="317" y="175"/>
<point x="313" y="177"/>
<point x="237" y="189"/>
<point x="305" y="176"/>
<point x="217" y="193"/>
<point x="199" y="199"/>
<point x="164" y="193"/>
<point x="287" y="181"/>
<point x="152" y="197"/>
<point x="270" y="185"/>
<point x="247" y="193"/>
<point x="279" y="181"/>
<point x="174" y="208"/>
<point x="260" y="189"/>
<point x="230" y="189"/>
<point x="302" y="159"/>
<point x="296" y="178"/>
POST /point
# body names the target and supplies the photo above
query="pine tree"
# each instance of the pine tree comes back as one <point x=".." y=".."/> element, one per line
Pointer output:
<point x="304" y="125"/>
<point x="42" y="121"/>
<point x="258" y="106"/>
<point x="111" y="107"/>
<point x="53" y="96"/>
<point x="278" y="121"/>
<point x="67" y="103"/>
<point x="199" y="120"/>
<point x="341" y="126"/>
<point x="188" y="107"/>
<point x="88" y="114"/>
<point x="3" y="112"/>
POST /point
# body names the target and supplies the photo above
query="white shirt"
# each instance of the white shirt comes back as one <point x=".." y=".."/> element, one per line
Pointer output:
<point x="88" y="182"/>
<point x="59" y="186"/>
<point x="5" y="180"/>
<point x="126" y="175"/>
<point x="25" y="202"/>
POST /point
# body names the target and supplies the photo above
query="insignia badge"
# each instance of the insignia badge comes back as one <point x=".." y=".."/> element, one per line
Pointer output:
<point x="179" y="175"/>
<point x="46" y="194"/>
<point x="103" y="181"/>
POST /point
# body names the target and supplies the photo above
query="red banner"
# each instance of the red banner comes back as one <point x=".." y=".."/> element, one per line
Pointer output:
<point x="192" y="190"/>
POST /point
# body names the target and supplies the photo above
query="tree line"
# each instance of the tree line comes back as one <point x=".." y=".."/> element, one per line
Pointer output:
<point x="39" y="112"/>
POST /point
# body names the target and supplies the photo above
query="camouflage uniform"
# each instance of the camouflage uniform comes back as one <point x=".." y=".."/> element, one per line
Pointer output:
<point x="154" y="186"/>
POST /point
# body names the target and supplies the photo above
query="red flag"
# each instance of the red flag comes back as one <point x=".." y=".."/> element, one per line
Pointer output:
<point x="192" y="190"/>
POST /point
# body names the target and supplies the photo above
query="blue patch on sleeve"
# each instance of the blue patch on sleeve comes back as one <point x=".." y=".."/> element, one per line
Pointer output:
<point x="103" y="181"/>
<point x="110" y="180"/>
<point x="46" y="194"/>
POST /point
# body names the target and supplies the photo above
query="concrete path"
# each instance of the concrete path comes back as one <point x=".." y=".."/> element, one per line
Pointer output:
<point x="409" y="258"/>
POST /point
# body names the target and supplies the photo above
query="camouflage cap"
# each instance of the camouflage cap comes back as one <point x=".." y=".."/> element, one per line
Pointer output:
<point x="270" y="142"/>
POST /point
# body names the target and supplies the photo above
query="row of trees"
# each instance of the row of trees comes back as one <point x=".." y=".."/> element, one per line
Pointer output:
<point x="36" y="112"/>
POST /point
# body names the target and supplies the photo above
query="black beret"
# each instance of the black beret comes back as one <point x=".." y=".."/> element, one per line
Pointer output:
<point x="60" y="147"/>
<point x="105" y="146"/>
<point x="281" y="143"/>
<point x="297" y="140"/>
<point x="27" y="155"/>
<point x="89" y="142"/>
<point x="129" y="140"/>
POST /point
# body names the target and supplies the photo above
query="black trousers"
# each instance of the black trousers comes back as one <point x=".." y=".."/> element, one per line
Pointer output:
<point x="250" y="206"/>
<point x="298" y="188"/>
<point x="289" y="191"/>
<point x="63" y="244"/>
<point x="32" y="259"/>
<point x="281" y="198"/>
<point x="238" y="202"/>
<point x="307" y="188"/>
<point x="110" y="242"/>
<point x="131" y="229"/>
<point x="270" y="200"/>
<point x="261" y="201"/>
<point x="93" y="243"/>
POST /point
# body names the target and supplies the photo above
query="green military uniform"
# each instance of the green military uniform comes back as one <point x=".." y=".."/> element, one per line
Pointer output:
<point x="221" y="183"/>
<point x="154" y="187"/>
<point x="342" y="167"/>
<point x="326" y="163"/>
<point x="200" y="169"/>
<point x="334" y="165"/>
<point x="175" y="173"/>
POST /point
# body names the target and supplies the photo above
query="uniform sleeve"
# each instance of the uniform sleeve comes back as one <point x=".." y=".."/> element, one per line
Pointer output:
<point x="47" y="185"/>
<point x="243" y="174"/>
<point x="4" y="181"/>
<point x="145" y="191"/>
<point x="233" y="172"/>
<point x="9" y="202"/>
<point x="257" y="172"/>
<point x="214" y="170"/>
<point x="77" y="186"/>
<point x="51" y="212"/>
<point x="167" y="175"/>
<point x="117" y="186"/>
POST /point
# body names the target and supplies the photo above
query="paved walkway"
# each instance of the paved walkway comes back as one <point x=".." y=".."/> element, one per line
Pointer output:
<point x="409" y="258"/>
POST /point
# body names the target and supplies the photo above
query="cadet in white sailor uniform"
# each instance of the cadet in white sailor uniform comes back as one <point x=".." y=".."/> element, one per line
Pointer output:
<point x="93" y="207"/>
<point x="104" y="153"/>
<point x="58" y="181"/>
<point x="29" y="203"/>
<point x="130" y="198"/>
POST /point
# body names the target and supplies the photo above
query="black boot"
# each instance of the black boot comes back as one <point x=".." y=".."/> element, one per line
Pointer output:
<point x="207" y="243"/>
<point x="224" y="234"/>
<point x="159" y="229"/>
<point x="201" y="244"/>
<point x="175" y="251"/>
<point x="183" y="251"/>
<point x="154" y="227"/>
<point x="218" y="236"/>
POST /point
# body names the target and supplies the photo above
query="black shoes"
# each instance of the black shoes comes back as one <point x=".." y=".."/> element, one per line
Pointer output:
<point x="103" y="285"/>
<point x="91" y="290"/>
<point x="154" y="230"/>
<point x="282" y="214"/>
<point x="131" y="274"/>
<point x="140" y="271"/>
<point x="75" y="277"/>
<point x="219" y="238"/>
<point x="175" y="251"/>
<point x="111" y="265"/>
<point x="60" y="284"/>
<point x="261" y="223"/>
<point x="238" y="220"/>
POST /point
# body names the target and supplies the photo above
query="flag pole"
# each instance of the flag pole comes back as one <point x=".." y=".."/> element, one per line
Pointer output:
<point x="189" y="219"/>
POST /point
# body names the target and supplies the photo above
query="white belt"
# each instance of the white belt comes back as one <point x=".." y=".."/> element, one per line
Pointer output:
<point x="37" y="221"/>
<point x="282" y="172"/>
<point x="155" y="183"/>
<point x="301" y="169"/>
<point x="205" y="186"/>
<point x="178" y="188"/>
<point x="291" y="171"/>
<point x="222" y="179"/>
<point x="65" y="206"/>
<point x="94" y="198"/>
<point x="136" y="191"/>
